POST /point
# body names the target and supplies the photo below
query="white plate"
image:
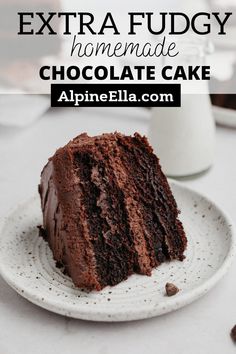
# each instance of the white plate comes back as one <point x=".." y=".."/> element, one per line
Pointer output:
<point x="26" y="264"/>
<point x="225" y="116"/>
<point x="29" y="108"/>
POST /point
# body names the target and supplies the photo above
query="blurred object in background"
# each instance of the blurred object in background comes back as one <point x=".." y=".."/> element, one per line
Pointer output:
<point x="20" y="60"/>
<point x="224" y="103"/>
<point x="224" y="87"/>
<point x="184" y="137"/>
<point x="22" y="47"/>
<point x="21" y="54"/>
<point x="224" y="5"/>
<point x="223" y="84"/>
<point x="223" y="100"/>
<point x="229" y="41"/>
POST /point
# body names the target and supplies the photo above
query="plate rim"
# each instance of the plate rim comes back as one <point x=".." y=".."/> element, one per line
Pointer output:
<point x="228" y="113"/>
<point x="107" y="314"/>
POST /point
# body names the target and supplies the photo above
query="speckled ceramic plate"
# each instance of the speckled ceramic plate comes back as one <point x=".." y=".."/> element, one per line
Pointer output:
<point x="26" y="264"/>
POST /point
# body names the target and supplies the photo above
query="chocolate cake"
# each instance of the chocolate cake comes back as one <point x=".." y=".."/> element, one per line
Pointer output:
<point x="108" y="210"/>
<point x="224" y="100"/>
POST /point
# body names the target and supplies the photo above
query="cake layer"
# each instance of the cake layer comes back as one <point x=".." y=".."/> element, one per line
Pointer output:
<point x="155" y="198"/>
<point x="107" y="219"/>
<point x="108" y="210"/>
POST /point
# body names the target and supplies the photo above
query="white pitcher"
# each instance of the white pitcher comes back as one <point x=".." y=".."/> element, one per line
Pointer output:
<point x="184" y="138"/>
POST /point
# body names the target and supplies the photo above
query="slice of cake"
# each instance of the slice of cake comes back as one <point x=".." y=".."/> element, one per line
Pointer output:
<point x="108" y="211"/>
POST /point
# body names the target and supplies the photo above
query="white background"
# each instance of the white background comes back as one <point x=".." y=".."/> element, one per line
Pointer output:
<point x="200" y="328"/>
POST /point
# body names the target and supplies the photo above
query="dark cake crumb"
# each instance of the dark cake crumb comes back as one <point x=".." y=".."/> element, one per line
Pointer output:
<point x="59" y="264"/>
<point x="42" y="232"/>
<point x="171" y="289"/>
<point x="233" y="334"/>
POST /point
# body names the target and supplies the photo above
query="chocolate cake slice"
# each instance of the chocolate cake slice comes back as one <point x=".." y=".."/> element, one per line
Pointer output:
<point x="108" y="211"/>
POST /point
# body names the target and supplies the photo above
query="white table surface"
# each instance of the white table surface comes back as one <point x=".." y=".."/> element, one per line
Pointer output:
<point x="200" y="328"/>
